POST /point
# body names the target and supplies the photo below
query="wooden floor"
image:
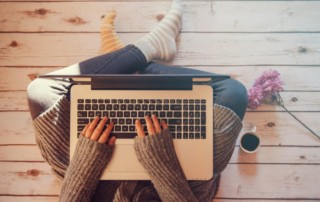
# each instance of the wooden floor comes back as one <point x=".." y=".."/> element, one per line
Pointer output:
<point x="240" y="38"/>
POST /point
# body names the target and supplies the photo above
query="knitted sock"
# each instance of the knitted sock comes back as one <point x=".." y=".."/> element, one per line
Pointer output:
<point x="109" y="39"/>
<point x="160" y="42"/>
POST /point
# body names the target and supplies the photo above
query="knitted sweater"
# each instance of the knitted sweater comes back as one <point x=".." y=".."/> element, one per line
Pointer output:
<point x="168" y="183"/>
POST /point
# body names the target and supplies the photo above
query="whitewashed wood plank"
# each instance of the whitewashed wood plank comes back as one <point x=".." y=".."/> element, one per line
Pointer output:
<point x="265" y="155"/>
<point x="29" y="198"/>
<point x="27" y="179"/>
<point x="279" y="128"/>
<point x="20" y="153"/>
<point x="18" y="79"/>
<point x="275" y="128"/>
<point x="294" y="101"/>
<point x="261" y="200"/>
<point x="291" y="75"/>
<point x="238" y="181"/>
<point x="16" y="128"/>
<point x="13" y="100"/>
<point x="270" y="181"/>
<point x="63" y="49"/>
<point x="278" y="155"/>
<point x="247" y="16"/>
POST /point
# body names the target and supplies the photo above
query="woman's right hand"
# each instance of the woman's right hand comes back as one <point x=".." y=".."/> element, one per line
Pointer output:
<point x="95" y="132"/>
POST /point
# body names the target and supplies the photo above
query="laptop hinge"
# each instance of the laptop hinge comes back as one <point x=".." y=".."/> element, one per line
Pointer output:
<point x="144" y="83"/>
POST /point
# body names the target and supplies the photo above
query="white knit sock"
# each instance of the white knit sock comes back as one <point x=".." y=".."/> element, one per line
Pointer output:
<point x="160" y="42"/>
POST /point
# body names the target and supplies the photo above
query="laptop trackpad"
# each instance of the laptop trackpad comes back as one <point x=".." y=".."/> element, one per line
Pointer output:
<point x="124" y="159"/>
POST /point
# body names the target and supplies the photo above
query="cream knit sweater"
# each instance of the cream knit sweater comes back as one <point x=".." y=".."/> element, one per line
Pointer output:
<point x="81" y="175"/>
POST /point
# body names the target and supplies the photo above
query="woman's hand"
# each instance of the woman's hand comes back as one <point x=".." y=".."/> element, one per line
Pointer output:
<point x="153" y="126"/>
<point x="95" y="132"/>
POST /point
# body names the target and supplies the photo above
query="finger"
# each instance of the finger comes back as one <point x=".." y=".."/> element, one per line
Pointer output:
<point x="156" y="124"/>
<point x="164" y="124"/>
<point x="106" y="134"/>
<point x="112" y="140"/>
<point x="92" y="126"/>
<point x="98" y="130"/>
<point x="150" y="127"/>
<point x="139" y="129"/>
<point x="85" y="129"/>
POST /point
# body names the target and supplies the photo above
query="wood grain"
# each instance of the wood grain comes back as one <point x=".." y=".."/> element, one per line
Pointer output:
<point x="238" y="181"/>
<point x="29" y="198"/>
<point x="63" y="49"/>
<point x="278" y="155"/>
<point x="270" y="181"/>
<point x="16" y="128"/>
<point x="27" y="179"/>
<point x="279" y="128"/>
<point x="247" y="16"/>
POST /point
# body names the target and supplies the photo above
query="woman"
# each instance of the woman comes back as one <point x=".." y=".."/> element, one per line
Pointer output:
<point x="49" y="107"/>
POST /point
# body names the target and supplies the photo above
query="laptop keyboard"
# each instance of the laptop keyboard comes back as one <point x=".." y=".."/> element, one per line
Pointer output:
<point x="186" y="118"/>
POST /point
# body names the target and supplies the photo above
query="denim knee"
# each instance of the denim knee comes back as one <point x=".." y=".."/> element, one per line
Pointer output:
<point x="231" y="94"/>
<point x="42" y="94"/>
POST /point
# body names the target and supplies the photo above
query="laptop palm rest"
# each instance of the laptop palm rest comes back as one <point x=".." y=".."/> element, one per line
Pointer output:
<point x="130" y="164"/>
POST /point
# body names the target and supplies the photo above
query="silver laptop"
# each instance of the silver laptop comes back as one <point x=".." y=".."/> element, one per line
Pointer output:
<point x="185" y="102"/>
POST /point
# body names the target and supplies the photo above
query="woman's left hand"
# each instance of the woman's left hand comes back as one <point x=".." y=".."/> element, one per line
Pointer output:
<point x="95" y="132"/>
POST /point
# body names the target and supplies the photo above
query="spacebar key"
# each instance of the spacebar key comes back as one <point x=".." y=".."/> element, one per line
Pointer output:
<point x="124" y="135"/>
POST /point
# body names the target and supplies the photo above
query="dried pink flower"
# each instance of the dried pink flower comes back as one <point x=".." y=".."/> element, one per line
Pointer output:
<point x="255" y="96"/>
<point x="266" y="85"/>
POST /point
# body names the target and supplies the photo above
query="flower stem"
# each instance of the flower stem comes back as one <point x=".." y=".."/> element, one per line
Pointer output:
<point x="281" y="103"/>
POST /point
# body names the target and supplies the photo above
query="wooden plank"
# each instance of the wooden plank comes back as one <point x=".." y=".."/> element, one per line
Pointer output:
<point x="265" y="155"/>
<point x="294" y="101"/>
<point x="291" y="75"/>
<point x="238" y="181"/>
<point x="275" y="128"/>
<point x="247" y="16"/>
<point x="270" y="181"/>
<point x="261" y="200"/>
<point x="278" y="155"/>
<point x="16" y="128"/>
<point x="19" y="153"/>
<point x="279" y="128"/>
<point x="27" y="179"/>
<point x="13" y="100"/>
<point x="202" y="49"/>
<point x="29" y="198"/>
<point x="17" y="79"/>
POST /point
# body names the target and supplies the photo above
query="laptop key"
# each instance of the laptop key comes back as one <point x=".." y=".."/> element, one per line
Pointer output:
<point x="126" y="135"/>
<point x="82" y="114"/>
<point x="83" y="121"/>
<point x="91" y="113"/>
<point x="174" y="121"/>
<point x="94" y="107"/>
<point x="80" y="107"/>
<point x="132" y="128"/>
<point x="176" y="107"/>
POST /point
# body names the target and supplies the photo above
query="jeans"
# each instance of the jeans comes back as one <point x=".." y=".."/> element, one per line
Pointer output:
<point x="43" y="93"/>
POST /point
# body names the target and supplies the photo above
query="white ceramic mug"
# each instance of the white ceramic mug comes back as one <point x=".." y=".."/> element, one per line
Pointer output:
<point x="250" y="141"/>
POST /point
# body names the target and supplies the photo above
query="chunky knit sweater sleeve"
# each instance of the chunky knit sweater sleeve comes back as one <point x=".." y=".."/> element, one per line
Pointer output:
<point x="156" y="153"/>
<point x="84" y="171"/>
